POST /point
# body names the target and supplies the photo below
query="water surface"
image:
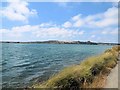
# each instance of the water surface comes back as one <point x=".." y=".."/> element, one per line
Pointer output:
<point x="24" y="64"/>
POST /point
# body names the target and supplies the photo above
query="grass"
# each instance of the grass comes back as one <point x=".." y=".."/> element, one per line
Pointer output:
<point x="88" y="74"/>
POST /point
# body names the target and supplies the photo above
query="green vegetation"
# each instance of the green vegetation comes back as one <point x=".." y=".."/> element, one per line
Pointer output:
<point x="85" y="74"/>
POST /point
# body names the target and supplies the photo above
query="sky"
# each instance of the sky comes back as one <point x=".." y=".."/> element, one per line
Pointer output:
<point x="66" y="21"/>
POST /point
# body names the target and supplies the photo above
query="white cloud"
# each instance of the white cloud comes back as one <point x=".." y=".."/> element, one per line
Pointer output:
<point x="56" y="32"/>
<point x="115" y="4"/>
<point x="110" y="17"/>
<point x="41" y="32"/>
<point x="77" y="17"/>
<point x="78" y="23"/>
<point x="67" y="25"/>
<point x="49" y="24"/>
<point x="17" y="11"/>
<point x="101" y="20"/>
<point x="100" y="26"/>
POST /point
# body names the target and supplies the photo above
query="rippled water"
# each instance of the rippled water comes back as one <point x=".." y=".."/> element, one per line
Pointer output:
<point x="25" y="64"/>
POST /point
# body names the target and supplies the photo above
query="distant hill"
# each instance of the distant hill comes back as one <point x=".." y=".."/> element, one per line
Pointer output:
<point x="63" y="42"/>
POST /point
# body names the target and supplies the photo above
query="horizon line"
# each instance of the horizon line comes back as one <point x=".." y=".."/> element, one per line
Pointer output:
<point x="60" y="41"/>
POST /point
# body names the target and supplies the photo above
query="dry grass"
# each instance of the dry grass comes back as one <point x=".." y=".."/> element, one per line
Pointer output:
<point x="98" y="82"/>
<point x="91" y="73"/>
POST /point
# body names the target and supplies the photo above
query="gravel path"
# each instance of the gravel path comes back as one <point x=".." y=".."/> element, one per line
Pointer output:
<point x="112" y="79"/>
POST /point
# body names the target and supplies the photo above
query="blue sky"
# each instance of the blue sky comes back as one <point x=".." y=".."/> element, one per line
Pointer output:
<point x="36" y="21"/>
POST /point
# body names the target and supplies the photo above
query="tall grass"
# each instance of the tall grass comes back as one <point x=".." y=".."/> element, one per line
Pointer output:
<point x="84" y="75"/>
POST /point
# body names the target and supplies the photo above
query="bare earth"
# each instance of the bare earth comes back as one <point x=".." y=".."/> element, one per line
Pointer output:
<point x="112" y="79"/>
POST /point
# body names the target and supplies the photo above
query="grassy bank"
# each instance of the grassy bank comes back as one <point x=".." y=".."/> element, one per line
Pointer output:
<point x="88" y="74"/>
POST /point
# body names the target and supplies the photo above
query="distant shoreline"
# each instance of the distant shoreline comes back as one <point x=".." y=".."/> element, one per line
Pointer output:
<point x="61" y="42"/>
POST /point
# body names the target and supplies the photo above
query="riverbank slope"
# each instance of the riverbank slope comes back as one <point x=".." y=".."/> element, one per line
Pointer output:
<point x="90" y="73"/>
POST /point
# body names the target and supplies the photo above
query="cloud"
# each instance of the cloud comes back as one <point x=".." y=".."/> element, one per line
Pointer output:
<point x="17" y="11"/>
<point x="49" y="24"/>
<point x="41" y="32"/>
<point x="78" y="23"/>
<point x="55" y="32"/>
<point x="97" y="27"/>
<point x="101" y="20"/>
<point x="67" y="25"/>
<point x="77" y="17"/>
<point x="115" y="4"/>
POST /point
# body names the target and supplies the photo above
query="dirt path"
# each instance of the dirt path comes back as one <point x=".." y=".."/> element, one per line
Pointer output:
<point x="112" y="79"/>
